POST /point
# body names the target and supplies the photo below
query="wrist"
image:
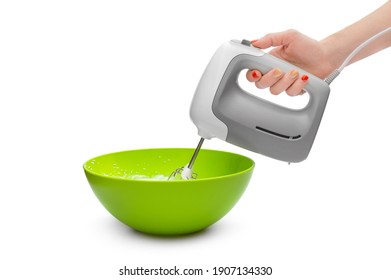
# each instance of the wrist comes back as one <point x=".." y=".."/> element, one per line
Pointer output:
<point x="335" y="51"/>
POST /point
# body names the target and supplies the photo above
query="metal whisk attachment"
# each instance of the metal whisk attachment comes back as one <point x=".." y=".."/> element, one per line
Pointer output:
<point x="179" y="171"/>
<point x="186" y="172"/>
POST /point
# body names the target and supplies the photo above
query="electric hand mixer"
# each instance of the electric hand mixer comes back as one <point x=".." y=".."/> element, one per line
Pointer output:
<point x="221" y="108"/>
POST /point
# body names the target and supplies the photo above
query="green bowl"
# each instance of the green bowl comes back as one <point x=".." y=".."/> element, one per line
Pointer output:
<point x="133" y="187"/>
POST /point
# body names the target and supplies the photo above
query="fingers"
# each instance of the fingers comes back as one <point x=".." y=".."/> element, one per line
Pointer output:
<point x="297" y="88"/>
<point x="285" y="83"/>
<point x="292" y="82"/>
<point x="277" y="82"/>
<point x="276" y="39"/>
<point x="269" y="79"/>
<point x="253" y="75"/>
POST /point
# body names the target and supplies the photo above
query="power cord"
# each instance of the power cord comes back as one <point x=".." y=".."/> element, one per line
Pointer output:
<point x="336" y="72"/>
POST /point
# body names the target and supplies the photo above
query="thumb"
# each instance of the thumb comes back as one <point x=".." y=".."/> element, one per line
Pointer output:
<point x="275" y="39"/>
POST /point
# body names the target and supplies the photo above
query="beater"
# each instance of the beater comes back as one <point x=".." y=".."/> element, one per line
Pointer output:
<point x="186" y="171"/>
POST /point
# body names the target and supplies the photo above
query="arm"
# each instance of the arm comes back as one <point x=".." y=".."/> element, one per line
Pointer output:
<point x="320" y="57"/>
<point x="342" y="43"/>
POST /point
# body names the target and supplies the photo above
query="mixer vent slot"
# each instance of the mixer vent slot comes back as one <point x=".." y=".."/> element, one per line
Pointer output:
<point x="278" y="134"/>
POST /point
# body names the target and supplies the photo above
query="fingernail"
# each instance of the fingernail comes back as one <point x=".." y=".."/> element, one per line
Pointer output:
<point x="277" y="73"/>
<point x="304" y="78"/>
<point x="294" y="74"/>
<point x="255" y="75"/>
<point x="253" y="41"/>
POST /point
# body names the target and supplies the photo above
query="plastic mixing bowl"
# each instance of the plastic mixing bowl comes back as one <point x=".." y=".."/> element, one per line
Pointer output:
<point x="133" y="187"/>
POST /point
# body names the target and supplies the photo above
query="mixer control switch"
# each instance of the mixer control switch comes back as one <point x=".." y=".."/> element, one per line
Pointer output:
<point x="246" y="42"/>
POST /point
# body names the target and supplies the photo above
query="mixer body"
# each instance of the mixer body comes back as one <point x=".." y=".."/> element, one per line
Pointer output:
<point x="222" y="109"/>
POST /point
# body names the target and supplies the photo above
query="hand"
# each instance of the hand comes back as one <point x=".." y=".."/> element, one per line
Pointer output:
<point x="297" y="49"/>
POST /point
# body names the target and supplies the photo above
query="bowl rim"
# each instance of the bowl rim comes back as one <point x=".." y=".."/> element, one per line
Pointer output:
<point x="251" y="167"/>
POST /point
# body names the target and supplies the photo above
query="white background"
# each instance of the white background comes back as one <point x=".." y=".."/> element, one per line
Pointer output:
<point x="83" y="78"/>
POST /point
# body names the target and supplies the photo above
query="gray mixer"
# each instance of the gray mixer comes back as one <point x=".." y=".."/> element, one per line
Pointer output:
<point x="222" y="109"/>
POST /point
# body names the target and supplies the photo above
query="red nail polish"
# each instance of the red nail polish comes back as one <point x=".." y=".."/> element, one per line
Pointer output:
<point x="255" y="75"/>
<point x="304" y="78"/>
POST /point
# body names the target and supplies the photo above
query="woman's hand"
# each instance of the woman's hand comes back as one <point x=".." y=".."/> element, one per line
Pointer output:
<point x="297" y="49"/>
